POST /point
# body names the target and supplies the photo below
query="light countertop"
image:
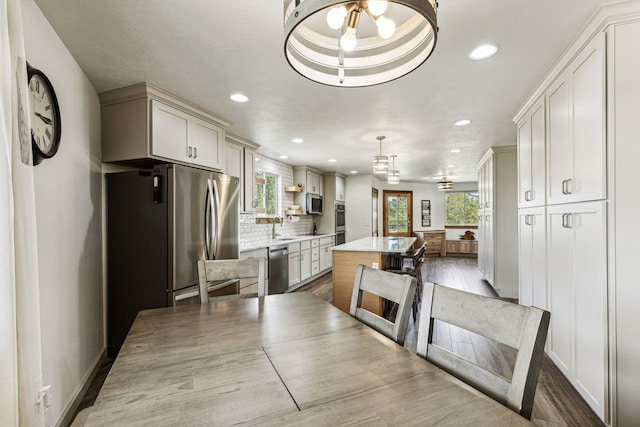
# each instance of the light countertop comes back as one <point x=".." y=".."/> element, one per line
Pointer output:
<point x="378" y="244"/>
<point x="284" y="240"/>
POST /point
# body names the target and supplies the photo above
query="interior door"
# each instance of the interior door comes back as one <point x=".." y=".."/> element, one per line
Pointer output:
<point x="397" y="213"/>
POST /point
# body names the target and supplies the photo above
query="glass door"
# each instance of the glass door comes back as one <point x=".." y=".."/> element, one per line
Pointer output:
<point x="398" y="207"/>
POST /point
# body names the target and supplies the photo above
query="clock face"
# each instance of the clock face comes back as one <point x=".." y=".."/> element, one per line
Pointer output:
<point x="45" y="117"/>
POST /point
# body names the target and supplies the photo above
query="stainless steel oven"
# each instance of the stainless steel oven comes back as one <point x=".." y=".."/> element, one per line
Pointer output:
<point x="340" y="217"/>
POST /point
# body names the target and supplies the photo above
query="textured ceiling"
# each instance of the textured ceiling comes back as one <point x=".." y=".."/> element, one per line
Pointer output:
<point x="204" y="50"/>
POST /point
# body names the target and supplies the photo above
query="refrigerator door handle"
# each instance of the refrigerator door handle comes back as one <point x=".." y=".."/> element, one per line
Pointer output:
<point x="215" y="215"/>
<point x="208" y="217"/>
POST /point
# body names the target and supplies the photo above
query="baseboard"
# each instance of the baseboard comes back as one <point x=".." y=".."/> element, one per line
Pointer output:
<point x="74" y="402"/>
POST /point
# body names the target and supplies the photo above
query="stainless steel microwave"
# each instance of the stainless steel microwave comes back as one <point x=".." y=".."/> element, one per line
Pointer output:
<point x="314" y="204"/>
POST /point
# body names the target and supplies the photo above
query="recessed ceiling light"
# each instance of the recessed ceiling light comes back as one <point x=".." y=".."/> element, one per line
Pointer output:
<point x="332" y="160"/>
<point x="456" y="150"/>
<point x="483" y="51"/>
<point x="238" y="97"/>
<point x="297" y="140"/>
<point x="462" y="122"/>
<point x="284" y="157"/>
<point x="354" y="171"/>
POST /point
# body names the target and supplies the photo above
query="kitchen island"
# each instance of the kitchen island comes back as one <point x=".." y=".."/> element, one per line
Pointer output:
<point x="370" y="251"/>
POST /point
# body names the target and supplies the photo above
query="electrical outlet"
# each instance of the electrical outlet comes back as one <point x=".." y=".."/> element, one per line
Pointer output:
<point x="374" y="265"/>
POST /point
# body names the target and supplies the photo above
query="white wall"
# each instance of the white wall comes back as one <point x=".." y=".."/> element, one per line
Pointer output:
<point x="69" y="217"/>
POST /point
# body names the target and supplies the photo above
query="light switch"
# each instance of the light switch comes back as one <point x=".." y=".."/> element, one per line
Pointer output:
<point x="374" y="265"/>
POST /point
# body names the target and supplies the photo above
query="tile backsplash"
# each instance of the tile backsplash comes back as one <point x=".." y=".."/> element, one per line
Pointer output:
<point x="252" y="234"/>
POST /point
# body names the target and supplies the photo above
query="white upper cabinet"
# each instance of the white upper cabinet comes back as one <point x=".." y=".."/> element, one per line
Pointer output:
<point x="207" y="142"/>
<point x="240" y="161"/>
<point x="181" y="137"/>
<point x="576" y="138"/>
<point x="315" y="182"/>
<point x="340" y="188"/>
<point x="486" y="183"/>
<point x="142" y="124"/>
<point x="531" y="157"/>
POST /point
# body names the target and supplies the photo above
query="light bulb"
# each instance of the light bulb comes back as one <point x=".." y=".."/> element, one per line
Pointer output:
<point x="377" y="7"/>
<point x="348" y="39"/>
<point x="386" y="27"/>
<point x="335" y="17"/>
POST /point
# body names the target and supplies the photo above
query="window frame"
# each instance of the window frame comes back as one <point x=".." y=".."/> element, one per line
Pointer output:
<point x="467" y="224"/>
<point x="261" y="196"/>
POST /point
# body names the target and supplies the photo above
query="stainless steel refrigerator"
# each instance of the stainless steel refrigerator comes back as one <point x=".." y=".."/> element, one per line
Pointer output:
<point x="159" y="223"/>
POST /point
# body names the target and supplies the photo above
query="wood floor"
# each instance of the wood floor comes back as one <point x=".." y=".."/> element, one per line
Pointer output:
<point x="556" y="401"/>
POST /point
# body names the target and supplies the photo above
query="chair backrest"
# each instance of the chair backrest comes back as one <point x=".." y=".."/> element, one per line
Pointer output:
<point x="415" y="257"/>
<point x="393" y="287"/>
<point x="229" y="269"/>
<point x="520" y="327"/>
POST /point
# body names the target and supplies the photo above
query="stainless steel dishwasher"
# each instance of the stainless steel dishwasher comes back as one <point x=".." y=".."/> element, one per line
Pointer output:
<point x="278" y="269"/>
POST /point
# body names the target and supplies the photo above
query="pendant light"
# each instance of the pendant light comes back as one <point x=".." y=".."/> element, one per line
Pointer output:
<point x="327" y="41"/>
<point x="444" y="185"/>
<point x="380" y="162"/>
<point x="394" y="175"/>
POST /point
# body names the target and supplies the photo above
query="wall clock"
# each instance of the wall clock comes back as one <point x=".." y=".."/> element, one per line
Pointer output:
<point x="46" y="126"/>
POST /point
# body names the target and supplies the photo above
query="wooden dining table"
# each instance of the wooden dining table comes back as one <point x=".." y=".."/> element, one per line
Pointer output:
<point x="290" y="359"/>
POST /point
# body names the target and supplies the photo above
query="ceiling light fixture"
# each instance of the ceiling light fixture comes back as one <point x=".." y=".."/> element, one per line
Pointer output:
<point x="284" y="157"/>
<point x="380" y="162"/>
<point x="444" y="185"/>
<point x="332" y="160"/>
<point x="462" y="122"/>
<point x="325" y="43"/>
<point x="297" y="140"/>
<point x="354" y="171"/>
<point x="483" y="52"/>
<point x="456" y="150"/>
<point x="238" y="97"/>
<point x="393" y="177"/>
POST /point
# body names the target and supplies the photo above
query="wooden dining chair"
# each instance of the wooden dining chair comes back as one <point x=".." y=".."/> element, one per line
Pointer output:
<point x="522" y="328"/>
<point x="393" y="287"/>
<point x="218" y="274"/>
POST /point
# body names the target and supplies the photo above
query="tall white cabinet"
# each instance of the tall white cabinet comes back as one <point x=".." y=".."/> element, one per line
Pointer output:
<point x="623" y="69"/>
<point x="241" y="162"/>
<point x="497" y="220"/>
<point x="589" y="210"/>
<point x="532" y="243"/>
<point x="576" y="273"/>
<point x="562" y="229"/>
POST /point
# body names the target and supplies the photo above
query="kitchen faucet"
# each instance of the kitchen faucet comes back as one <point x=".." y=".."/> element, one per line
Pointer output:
<point x="276" y="219"/>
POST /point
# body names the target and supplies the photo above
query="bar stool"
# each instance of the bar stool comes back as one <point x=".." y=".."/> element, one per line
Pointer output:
<point x="410" y="263"/>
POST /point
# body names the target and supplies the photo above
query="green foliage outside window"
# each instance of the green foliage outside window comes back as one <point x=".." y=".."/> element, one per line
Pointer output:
<point x="397" y="214"/>
<point x="267" y="193"/>
<point x="462" y="208"/>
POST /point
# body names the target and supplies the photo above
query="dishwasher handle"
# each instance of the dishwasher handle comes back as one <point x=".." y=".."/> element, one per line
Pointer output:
<point x="284" y="250"/>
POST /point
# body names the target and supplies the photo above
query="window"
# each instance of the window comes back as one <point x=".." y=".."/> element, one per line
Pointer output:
<point x="267" y="193"/>
<point x="462" y="208"/>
